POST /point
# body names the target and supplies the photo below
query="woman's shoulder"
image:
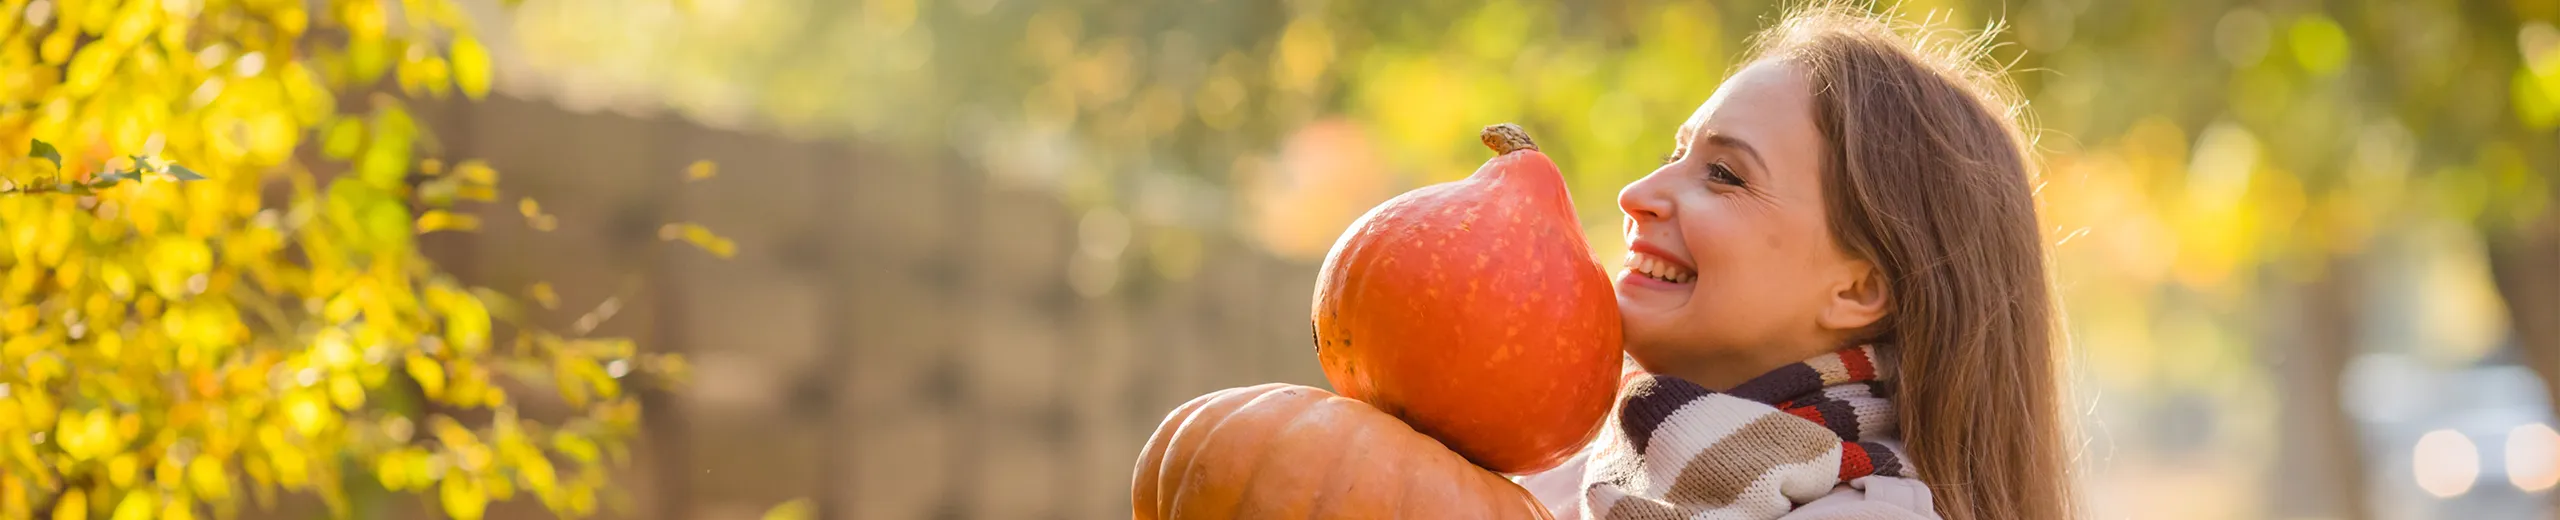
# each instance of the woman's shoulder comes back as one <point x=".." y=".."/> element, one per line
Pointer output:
<point x="1871" y="498"/>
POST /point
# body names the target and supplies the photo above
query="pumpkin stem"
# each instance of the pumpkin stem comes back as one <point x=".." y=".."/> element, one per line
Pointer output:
<point x="1506" y="138"/>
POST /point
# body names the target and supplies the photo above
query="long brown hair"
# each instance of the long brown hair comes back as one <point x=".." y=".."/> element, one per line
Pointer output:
<point x="1927" y="175"/>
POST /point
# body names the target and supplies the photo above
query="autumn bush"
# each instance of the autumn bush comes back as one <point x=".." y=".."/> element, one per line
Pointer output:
<point x="211" y="291"/>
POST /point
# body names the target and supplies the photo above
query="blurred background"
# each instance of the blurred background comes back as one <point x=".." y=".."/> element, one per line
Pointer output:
<point x="2309" y="251"/>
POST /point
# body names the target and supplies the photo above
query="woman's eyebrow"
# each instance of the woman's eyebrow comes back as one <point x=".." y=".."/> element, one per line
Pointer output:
<point x="1720" y="139"/>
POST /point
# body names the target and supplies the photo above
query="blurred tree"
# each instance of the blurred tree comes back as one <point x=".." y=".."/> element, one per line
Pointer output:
<point x="169" y="349"/>
<point x="2317" y="128"/>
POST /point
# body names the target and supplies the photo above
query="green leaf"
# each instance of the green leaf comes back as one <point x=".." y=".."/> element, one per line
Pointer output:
<point x="385" y="160"/>
<point x="178" y="172"/>
<point x="344" y="138"/>
<point x="45" y="150"/>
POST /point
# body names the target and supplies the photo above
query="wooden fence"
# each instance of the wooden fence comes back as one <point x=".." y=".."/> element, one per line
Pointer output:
<point x="896" y="336"/>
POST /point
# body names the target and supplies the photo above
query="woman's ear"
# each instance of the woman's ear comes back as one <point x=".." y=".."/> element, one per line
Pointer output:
<point x="1859" y="301"/>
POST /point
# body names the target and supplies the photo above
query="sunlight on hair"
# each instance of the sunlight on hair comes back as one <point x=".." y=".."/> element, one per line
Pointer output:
<point x="2446" y="463"/>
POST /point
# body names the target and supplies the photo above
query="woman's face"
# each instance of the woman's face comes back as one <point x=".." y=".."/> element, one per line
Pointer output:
<point x="1731" y="265"/>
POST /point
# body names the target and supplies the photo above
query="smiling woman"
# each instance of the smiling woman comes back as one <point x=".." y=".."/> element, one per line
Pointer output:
<point x="1836" y="284"/>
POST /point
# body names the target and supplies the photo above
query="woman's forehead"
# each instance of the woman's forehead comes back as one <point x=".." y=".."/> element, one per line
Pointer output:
<point x="1769" y="104"/>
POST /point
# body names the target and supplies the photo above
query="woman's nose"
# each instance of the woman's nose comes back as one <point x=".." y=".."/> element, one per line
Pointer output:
<point x="1642" y="200"/>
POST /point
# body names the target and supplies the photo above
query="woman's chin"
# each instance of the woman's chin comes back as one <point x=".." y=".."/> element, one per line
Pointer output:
<point x="1645" y="314"/>
<point x="1653" y="311"/>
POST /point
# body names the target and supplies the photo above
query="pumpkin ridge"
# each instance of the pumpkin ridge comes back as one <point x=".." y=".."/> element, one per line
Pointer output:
<point x="1306" y="423"/>
<point x="1237" y="435"/>
<point x="1142" y="495"/>
<point x="1173" y="477"/>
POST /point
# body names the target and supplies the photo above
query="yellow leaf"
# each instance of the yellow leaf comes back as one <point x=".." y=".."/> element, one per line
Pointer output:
<point x="535" y="218"/>
<point x="21" y="320"/>
<point x="136" y="505"/>
<point x="543" y="294"/>
<point x="308" y="411"/>
<point x="205" y="474"/>
<point x="57" y="46"/>
<point x="122" y="469"/>
<point x="701" y="170"/>
<point x="576" y="447"/>
<point x="346" y="392"/>
<point x="441" y="220"/>
<point x="22" y="347"/>
<point x="393" y="470"/>
<point x="364" y="20"/>
<point x="428" y="373"/>
<point x="796" y="509"/>
<point x="499" y="489"/>
<point x="333" y="349"/>
<point x="478" y="192"/>
<point x="343" y="138"/>
<point x="423" y="74"/>
<point x="572" y="382"/>
<point x="476" y="172"/>
<point x="74" y="505"/>
<point x="466" y="324"/>
<point x="463" y="499"/>
<point x="470" y="66"/>
<point x="700" y="237"/>
<point x="178" y="509"/>
<point x="13" y="504"/>
<point x="167" y="474"/>
<point x="539" y="477"/>
<point x="40" y="409"/>
<point x="86" y="434"/>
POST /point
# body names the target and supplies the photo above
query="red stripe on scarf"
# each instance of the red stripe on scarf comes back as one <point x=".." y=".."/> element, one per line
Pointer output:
<point x="1808" y="413"/>
<point x="1854" y="462"/>
<point x="1860" y="368"/>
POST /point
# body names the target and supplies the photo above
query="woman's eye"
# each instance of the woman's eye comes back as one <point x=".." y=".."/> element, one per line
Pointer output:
<point x="1721" y="174"/>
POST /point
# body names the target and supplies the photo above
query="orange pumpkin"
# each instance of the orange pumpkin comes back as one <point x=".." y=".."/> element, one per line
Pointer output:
<point x="1473" y="310"/>
<point x="1289" y="451"/>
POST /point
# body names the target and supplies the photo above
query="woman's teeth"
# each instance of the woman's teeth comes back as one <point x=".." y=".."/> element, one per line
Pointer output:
<point x="1657" y="268"/>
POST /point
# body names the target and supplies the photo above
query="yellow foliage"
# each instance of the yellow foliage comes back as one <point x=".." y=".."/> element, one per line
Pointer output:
<point x="236" y="322"/>
<point x="700" y="237"/>
<point x="797" y="509"/>
<point x="701" y="170"/>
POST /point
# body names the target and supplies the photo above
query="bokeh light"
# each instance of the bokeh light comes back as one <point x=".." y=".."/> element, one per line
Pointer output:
<point x="2447" y="463"/>
<point x="2533" y="457"/>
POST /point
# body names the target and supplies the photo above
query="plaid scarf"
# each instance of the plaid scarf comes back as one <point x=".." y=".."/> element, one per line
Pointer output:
<point x="1678" y="450"/>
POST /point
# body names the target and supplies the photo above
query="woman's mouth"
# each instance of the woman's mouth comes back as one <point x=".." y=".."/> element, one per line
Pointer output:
<point x="1644" y="265"/>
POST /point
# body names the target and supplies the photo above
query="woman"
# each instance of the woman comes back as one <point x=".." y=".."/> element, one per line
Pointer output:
<point x="1836" y="293"/>
<point x="1850" y="187"/>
